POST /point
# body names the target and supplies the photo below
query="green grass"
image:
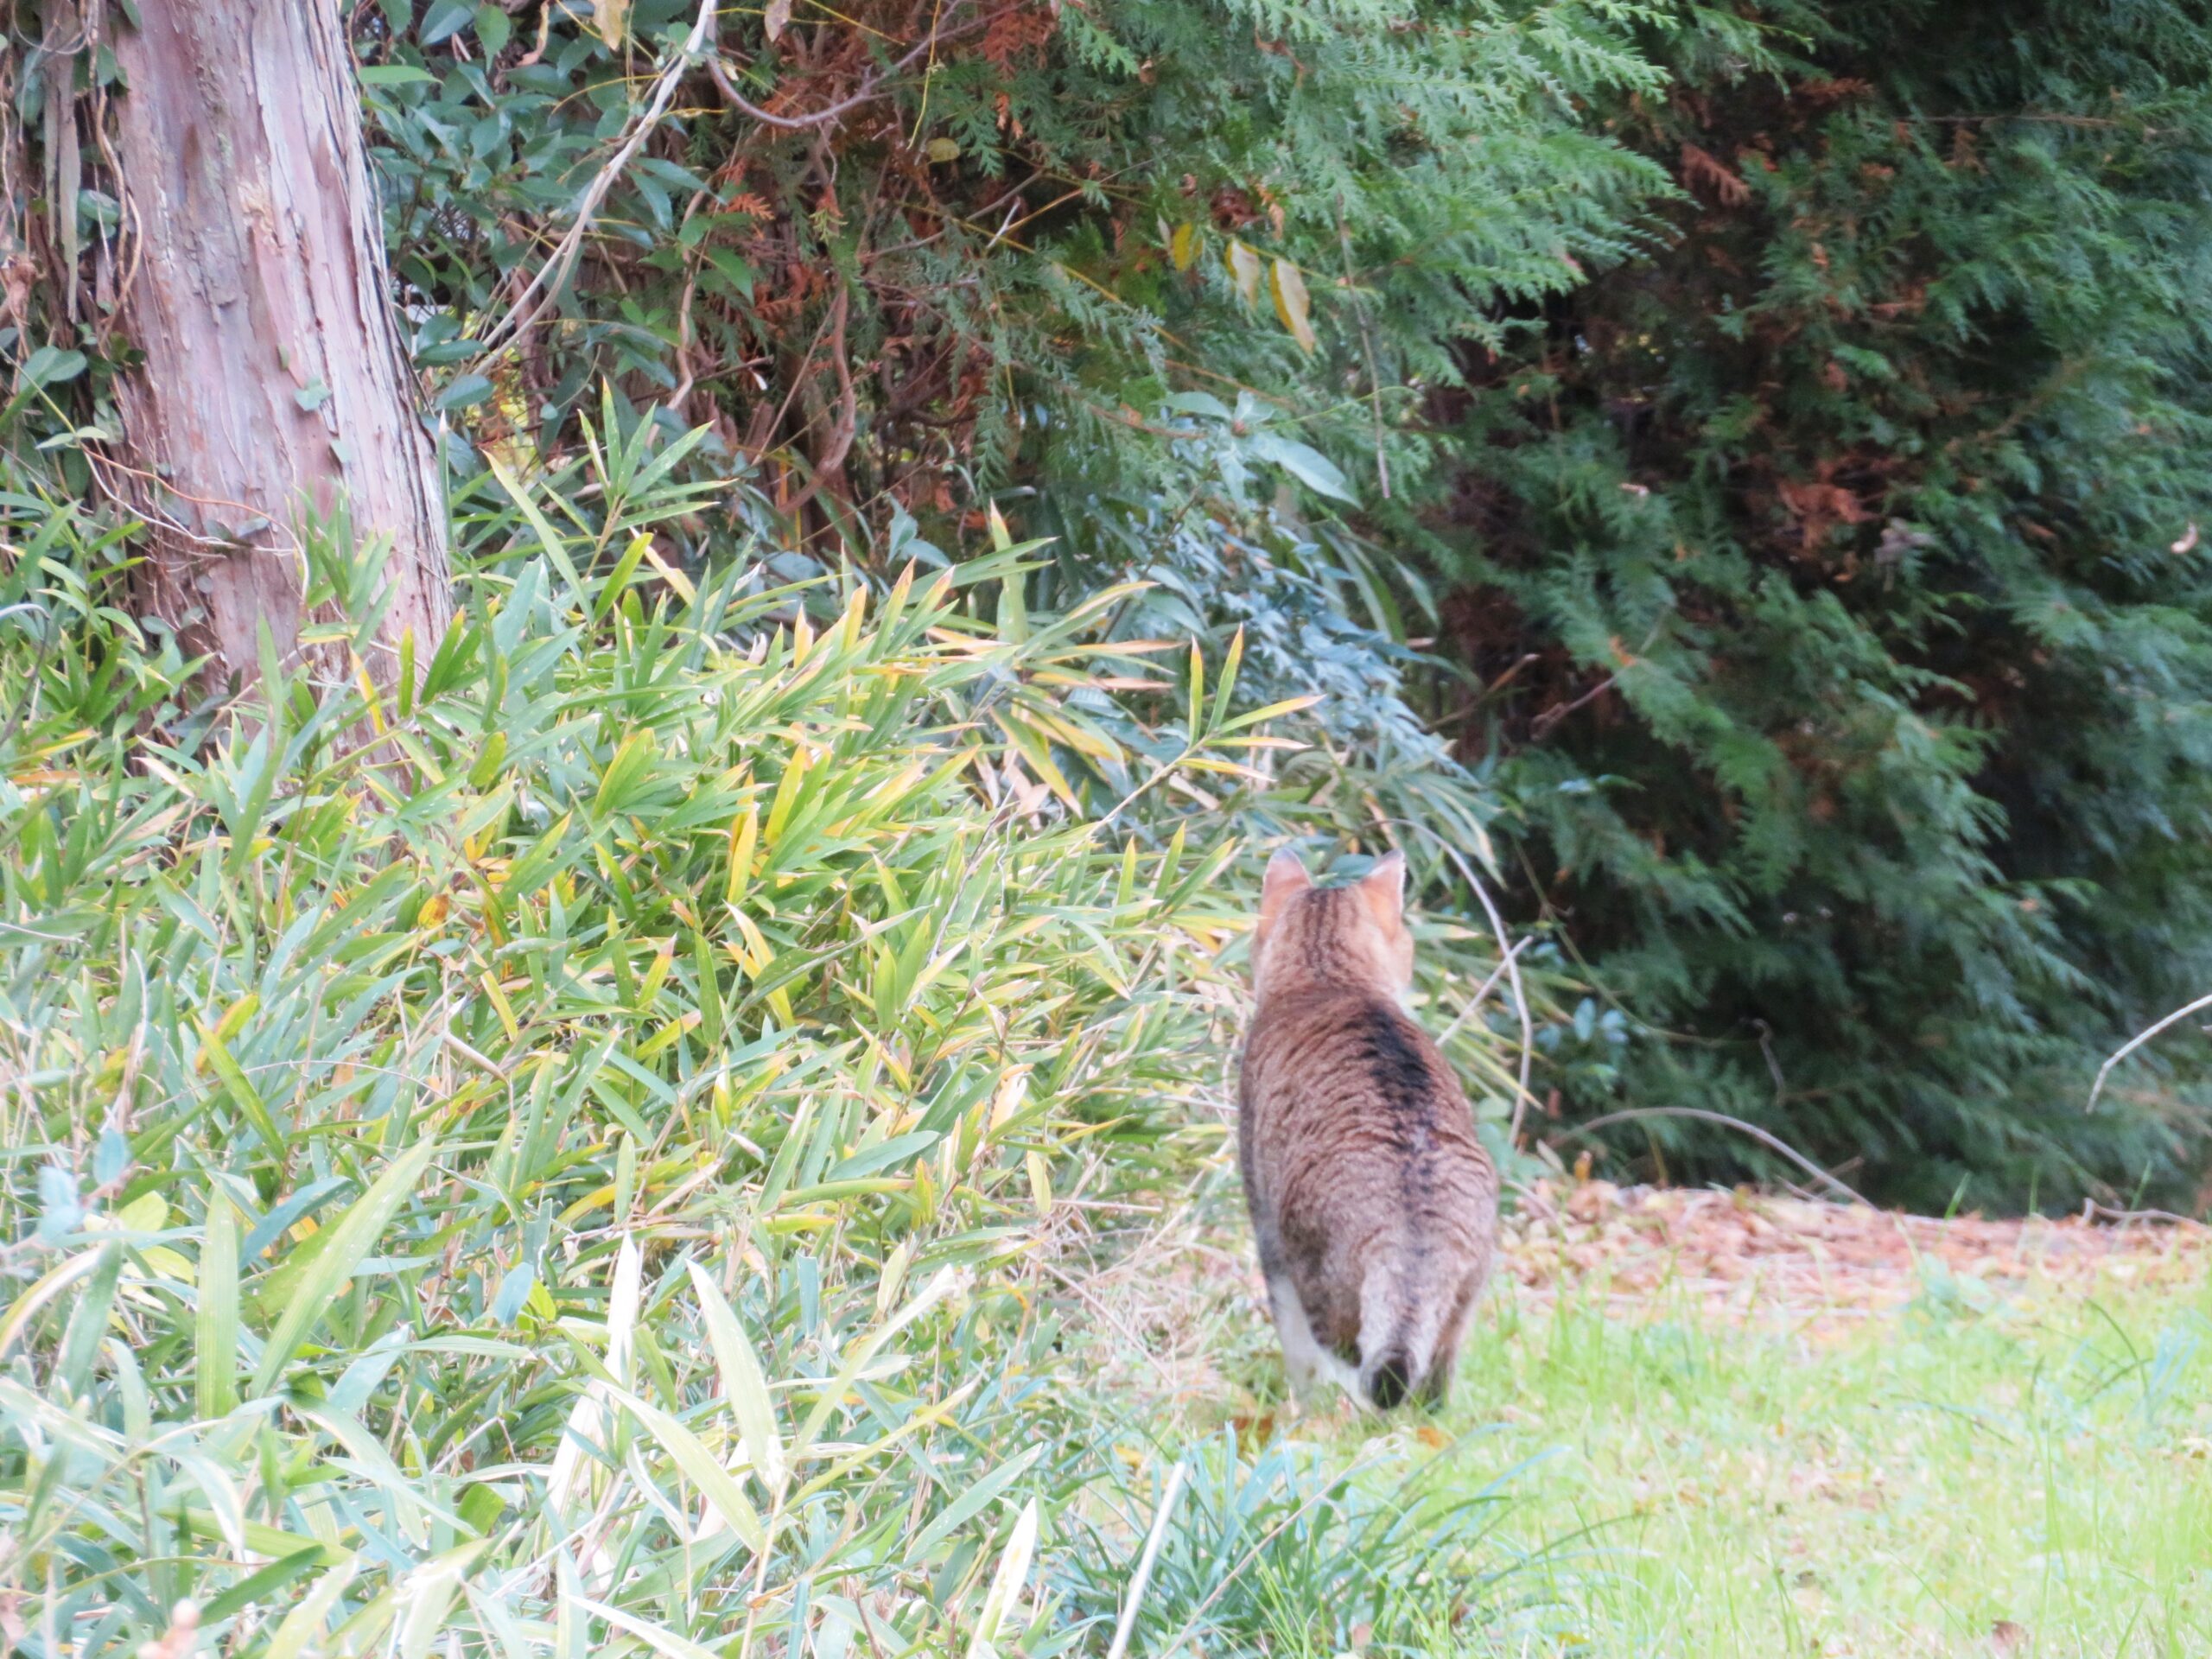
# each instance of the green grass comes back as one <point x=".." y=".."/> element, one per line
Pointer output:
<point x="1903" y="1491"/>
<point x="1620" y="1476"/>
<point x="1681" y="1486"/>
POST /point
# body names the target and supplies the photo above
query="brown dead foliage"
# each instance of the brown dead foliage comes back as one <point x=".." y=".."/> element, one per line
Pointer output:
<point x="1821" y="1267"/>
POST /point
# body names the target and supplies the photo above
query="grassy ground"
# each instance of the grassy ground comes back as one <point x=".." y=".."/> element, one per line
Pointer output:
<point x="1888" y="1453"/>
<point x="1940" y="1481"/>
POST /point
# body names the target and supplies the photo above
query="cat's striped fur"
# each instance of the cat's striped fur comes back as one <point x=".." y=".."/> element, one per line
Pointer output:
<point x="1375" y="1204"/>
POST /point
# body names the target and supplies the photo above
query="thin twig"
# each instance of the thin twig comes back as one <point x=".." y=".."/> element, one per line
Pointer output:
<point x="2135" y="1042"/>
<point x="1520" y="995"/>
<point x="2091" y="1208"/>
<point x="544" y="289"/>
<point x="1107" y="1314"/>
<point x="841" y="436"/>
<point x="1144" y="1563"/>
<point x="1366" y="343"/>
<point x="1757" y="1134"/>
<point x="1483" y="991"/>
<point x="872" y="88"/>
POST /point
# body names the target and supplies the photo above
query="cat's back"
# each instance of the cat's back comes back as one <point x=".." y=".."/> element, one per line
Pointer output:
<point x="1348" y="1081"/>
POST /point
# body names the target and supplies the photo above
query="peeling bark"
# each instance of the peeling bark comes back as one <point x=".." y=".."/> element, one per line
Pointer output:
<point x="274" y="384"/>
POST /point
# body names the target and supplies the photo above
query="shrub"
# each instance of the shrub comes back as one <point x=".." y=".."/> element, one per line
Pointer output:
<point x="550" y="1160"/>
<point x="1838" y="577"/>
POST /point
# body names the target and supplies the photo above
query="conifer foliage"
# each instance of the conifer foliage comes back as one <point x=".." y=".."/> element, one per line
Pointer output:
<point x="1838" y="577"/>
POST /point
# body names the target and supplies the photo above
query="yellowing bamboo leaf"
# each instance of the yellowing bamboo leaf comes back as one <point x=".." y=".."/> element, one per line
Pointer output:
<point x="1006" y="1584"/>
<point x="757" y="955"/>
<point x="1292" y="305"/>
<point x="1244" y="270"/>
<point x="669" y="574"/>
<point x="743" y="833"/>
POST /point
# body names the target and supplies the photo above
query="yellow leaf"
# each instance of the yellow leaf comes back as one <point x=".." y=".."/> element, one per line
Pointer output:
<point x="148" y="1213"/>
<point x="943" y="149"/>
<point x="673" y="577"/>
<point x="1183" y="247"/>
<point x="778" y="18"/>
<point x="369" y="696"/>
<point x="502" y="1006"/>
<point x="780" y="1001"/>
<point x="1292" y="305"/>
<point x="612" y="19"/>
<point x="1244" y="270"/>
<point x="434" y="910"/>
<point x="757" y="955"/>
<point x="167" y="1264"/>
<point x="235" y="1016"/>
<point x="743" y="833"/>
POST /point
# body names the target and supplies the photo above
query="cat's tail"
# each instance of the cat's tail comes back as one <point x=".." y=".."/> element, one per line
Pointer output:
<point x="1388" y="1382"/>
<point x="1398" y="1337"/>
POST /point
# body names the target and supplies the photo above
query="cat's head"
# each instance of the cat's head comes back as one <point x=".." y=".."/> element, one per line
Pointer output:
<point x="1354" y="937"/>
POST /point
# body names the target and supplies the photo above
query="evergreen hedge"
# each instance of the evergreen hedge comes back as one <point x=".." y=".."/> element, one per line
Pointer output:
<point x="1834" y="583"/>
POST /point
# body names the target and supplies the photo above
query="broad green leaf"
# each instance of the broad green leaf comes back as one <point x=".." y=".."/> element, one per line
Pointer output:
<point x="744" y="1384"/>
<point x="700" y="1467"/>
<point x="353" y="1236"/>
<point x="80" y="1340"/>
<point x="215" y="1320"/>
<point x="304" y="1625"/>
<point x="1304" y="462"/>
<point x="969" y="1504"/>
<point x="662" y="1640"/>
<point x="444" y="19"/>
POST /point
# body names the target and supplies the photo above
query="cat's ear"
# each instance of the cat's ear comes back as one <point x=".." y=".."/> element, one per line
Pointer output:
<point x="1383" y="888"/>
<point x="1286" y="879"/>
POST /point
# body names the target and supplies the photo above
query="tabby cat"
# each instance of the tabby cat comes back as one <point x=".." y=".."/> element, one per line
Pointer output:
<point x="1375" y="1204"/>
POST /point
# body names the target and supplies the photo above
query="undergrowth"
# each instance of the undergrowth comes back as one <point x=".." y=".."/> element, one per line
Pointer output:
<point x="552" y="1158"/>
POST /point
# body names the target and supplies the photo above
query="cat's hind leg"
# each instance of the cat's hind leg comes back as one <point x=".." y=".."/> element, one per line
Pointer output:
<point x="1304" y="1361"/>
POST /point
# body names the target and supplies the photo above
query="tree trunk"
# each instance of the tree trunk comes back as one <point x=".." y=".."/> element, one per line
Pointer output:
<point x="275" y="385"/>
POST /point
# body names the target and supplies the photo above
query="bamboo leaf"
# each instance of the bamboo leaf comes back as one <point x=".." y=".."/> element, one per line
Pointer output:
<point x="744" y="1384"/>
<point x="215" y="1320"/>
<point x="1006" y="1584"/>
<point x="353" y="1236"/>
<point x="700" y="1467"/>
